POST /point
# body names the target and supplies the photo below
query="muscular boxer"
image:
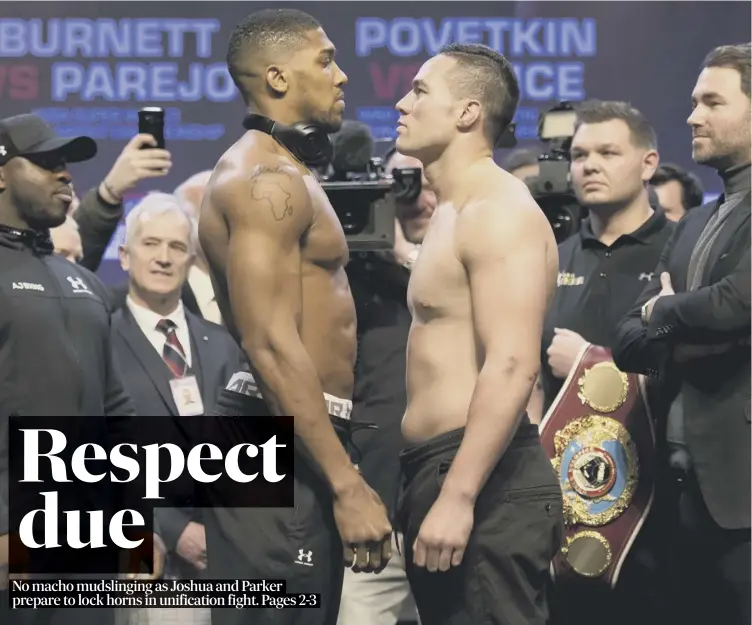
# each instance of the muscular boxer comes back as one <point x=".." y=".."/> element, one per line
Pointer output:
<point x="276" y="252"/>
<point x="481" y="509"/>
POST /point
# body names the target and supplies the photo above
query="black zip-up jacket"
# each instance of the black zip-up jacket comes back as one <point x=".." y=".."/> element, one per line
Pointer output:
<point x="55" y="353"/>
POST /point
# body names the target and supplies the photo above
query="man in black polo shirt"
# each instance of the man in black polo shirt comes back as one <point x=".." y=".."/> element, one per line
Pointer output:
<point x="602" y="270"/>
<point x="379" y="286"/>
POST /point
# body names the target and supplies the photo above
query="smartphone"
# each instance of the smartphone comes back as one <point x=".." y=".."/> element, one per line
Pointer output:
<point x="151" y="122"/>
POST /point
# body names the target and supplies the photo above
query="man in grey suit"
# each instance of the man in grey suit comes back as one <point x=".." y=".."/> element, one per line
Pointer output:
<point x="173" y="364"/>
<point x="691" y="334"/>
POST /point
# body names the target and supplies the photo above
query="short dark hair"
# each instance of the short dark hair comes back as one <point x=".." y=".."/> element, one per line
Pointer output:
<point x="599" y="111"/>
<point x="692" y="191"/>
<point x="485" y="74"/>
<point x="263" y="33"/>
<point x="735" y="57"/>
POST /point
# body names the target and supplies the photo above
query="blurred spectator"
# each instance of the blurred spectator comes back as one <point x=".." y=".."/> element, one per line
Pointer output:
<point x="101" y="209"/>
<point x="522" y="163"/>
<point x="173" y="364"/>
<point x="67" y="240"/>
<point x="190" y="194"/>
<point x="678" y="190"/>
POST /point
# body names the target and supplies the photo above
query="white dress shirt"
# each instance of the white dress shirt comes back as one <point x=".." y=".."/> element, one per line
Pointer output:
<point x="147" y="320"/>
<point x="203" y="290"/>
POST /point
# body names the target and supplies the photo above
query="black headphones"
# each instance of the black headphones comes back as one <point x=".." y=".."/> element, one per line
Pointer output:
<point x="309" y="143"/>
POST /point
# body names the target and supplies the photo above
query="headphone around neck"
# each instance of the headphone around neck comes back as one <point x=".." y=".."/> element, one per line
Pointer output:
<point x="309" y="143"/>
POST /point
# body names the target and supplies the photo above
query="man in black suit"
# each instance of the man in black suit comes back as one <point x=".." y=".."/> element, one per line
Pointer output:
<point x="692" y="333"/>
<point x="172" y="362"/>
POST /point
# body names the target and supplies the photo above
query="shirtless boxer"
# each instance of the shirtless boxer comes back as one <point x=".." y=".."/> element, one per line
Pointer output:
<point x="481" y="508"/>
<point x="276" y="252"/>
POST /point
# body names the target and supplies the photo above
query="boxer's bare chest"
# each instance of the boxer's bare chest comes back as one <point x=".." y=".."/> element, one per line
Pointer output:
<point x="324" y="244"/>
<point x="438" y="285"/>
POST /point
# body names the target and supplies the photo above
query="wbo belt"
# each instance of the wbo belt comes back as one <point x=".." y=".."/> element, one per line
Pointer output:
<point x="599" y="436"/>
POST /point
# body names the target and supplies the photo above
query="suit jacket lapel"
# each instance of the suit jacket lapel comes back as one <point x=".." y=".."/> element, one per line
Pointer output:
<point x="150" y="360"/>
<point x="205" y="361"/>
<point x="693" y="229"/>
<point x="735" y="222"/>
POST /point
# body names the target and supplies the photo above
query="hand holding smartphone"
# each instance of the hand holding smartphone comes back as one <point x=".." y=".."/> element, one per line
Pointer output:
<point x="151" y="122"/>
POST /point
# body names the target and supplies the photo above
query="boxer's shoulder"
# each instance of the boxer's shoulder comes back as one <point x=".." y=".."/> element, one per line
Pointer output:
<point x="501" y="210"/>
<point x="263" y="188"/>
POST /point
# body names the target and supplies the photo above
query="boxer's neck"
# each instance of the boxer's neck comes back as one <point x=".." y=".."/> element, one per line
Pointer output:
<point x="279" y="115"/>
<point x="448" y="174"/>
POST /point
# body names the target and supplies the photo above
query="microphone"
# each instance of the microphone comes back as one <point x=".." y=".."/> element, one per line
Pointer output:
<point x="353" y="147"/>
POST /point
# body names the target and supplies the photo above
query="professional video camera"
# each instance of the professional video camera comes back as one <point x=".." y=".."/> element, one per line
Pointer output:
<point x="358" y="190"/>
<point x="552" y="188"/>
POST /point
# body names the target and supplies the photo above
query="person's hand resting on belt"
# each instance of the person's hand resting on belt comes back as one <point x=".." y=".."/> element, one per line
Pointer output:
<point x="135" y="163"/>
<point x="563" y="351"/>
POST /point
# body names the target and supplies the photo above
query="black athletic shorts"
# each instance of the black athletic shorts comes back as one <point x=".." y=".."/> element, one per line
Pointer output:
<point x="300" y="545"/>
<point x="518" y="527"/>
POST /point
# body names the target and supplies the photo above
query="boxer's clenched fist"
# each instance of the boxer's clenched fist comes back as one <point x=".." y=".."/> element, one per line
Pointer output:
<point x="364" y="528"/>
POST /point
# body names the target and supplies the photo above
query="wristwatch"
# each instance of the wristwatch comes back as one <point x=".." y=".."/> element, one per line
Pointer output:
<point x="411" y="258"/>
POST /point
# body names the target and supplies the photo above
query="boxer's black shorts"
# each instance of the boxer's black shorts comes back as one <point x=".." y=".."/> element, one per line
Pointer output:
<point x="300" y="545"/>
<point x="518" y="527"/>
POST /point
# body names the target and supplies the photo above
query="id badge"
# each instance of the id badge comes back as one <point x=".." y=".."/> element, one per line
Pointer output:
<point x="187" y="396"/>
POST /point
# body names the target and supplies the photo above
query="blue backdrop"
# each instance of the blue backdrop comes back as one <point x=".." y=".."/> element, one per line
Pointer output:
<point x="88" y="67"/>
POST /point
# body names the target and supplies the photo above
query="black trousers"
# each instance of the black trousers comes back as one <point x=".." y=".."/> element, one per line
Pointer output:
<point x="709" y="565"/>
<point x="518" y="526"/>
<point x="300" y="545"/>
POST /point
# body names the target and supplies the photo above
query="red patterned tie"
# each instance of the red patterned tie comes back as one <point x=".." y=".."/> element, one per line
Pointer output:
<point x="172" y="353"/>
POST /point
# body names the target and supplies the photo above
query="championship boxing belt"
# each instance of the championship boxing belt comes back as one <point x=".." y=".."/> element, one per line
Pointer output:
<point x="599" y="436"/>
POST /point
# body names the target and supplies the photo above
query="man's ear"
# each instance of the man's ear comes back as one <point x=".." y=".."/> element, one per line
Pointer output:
<point x="2" y="178"/>
<point x="124" y="260"/>
<point x="649" y="165"/>
<point x="277" y="79"/>
<point x="471" y="113"/>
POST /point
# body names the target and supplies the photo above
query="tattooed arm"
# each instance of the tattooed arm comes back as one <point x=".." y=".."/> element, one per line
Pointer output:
<point x="267" y="215"/>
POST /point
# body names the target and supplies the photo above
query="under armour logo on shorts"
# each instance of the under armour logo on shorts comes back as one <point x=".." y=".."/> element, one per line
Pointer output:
<point x="305" y="557"/>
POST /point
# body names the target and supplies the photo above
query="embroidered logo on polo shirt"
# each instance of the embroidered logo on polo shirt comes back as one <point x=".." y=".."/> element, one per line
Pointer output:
<point x="569" y="279"/>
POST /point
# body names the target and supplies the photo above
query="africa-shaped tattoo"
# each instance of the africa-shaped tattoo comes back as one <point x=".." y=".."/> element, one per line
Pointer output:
<point x="271" y="190"/>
